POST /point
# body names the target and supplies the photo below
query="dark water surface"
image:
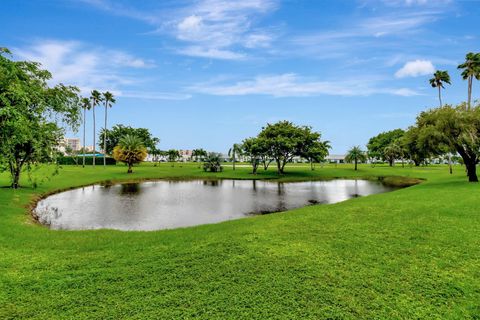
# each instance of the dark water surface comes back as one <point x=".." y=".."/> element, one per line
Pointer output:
<point x="172" y="204"/>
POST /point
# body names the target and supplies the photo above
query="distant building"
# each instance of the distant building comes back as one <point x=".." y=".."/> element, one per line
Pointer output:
<point x="335" y="158"/>
<point x="72" y="143"/>
<point x="185" y="155"/>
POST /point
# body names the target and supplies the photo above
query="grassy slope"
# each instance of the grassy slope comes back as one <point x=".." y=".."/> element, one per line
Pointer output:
<point x="412" y="253"/>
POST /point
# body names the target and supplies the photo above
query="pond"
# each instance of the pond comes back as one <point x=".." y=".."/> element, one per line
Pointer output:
<point x="172" y="204"/>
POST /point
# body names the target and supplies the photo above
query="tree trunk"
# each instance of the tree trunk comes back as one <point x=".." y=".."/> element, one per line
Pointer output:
<point x="470" y="80"/>
<point x="390" y="162"/>
<point x="16" y="178"/>
<point x="355" y="164"/>
<point x="105" y="137"/>
<point x="233" y="154"/>
<point x="84" y="122"/>
<point x="450" y="163"/>
<point x="311" y="165"/>
<point x="440" y="95"/>
<point x="94" y="134"/>
<point x="472" y="171"/>
<point x="129" y="168"/>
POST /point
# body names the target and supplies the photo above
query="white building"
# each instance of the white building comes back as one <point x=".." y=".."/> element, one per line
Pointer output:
<point x="335" y="158"/>
<point x="72" y="143"/>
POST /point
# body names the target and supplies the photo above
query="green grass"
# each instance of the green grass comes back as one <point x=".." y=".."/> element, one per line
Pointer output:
<point x="412" y="253"/>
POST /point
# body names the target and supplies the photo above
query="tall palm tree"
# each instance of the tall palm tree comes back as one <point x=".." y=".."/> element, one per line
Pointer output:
<point x="236" y="149"/>
<point x="355" y="155"/>
<point x="439" y="78"/>
<point x="471" y="69"/>
<point x="108" y="101"/>
<point x="86" y="106"/>
<point x="96" y="97"/>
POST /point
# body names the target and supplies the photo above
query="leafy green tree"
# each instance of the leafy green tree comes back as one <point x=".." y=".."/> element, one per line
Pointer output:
<point x="252" y="148"/>
<point x="414" y="151"/>
<point x="212" y="162"/>
<point x="438" y="81"/>
<point x="234" y="151"/>
<point x="284" y="140"/>
<point x="173" y="155"/>
<point x="30" y="114"/>
<point x="393" y="152"/>
<point x="356" y="155"/>
<point x="199" y="154"/>
<point x="376" y="145"/>
<point x="96" y="98"/>
<point x="471" y="69"/>
<point x="130" y="150"/>
<point x="114" y="135"/>
<point x="85" y="106"/>
<point x="108" y="101"/>
<point x="453" y="128"/>
<point x="316" y="152"/>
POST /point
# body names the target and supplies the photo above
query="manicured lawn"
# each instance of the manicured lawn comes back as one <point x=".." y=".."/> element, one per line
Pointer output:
<point x="412" y="253"/>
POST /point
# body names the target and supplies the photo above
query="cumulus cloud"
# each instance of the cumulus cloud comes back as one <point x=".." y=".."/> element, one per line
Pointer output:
<point x="415" y="68"/>
<point x="292" y="85"/>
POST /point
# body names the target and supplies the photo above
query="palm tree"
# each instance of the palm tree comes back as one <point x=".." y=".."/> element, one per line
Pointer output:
<point x="108" y="101"/>
<point x="130" y="150"/>
<point x="439" y="78"/>
<point x="96" y="97"/>
<point x="236" y="149"/>
<point x="86" y="106"/>
<point x="471" y="69"/>
<point x="355" y="155"/>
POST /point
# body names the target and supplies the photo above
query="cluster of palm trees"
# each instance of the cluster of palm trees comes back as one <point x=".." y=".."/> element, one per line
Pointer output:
<point x="471" y="70"/>
<point x="96" y="98"/>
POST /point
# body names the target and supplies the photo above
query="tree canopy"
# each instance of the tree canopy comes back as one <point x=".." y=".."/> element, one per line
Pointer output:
<point x="118" y="131"/>
<point x="31" y="114"/>
<point x="452" y="128"/>
<point x="376" y="145"/>
<point x="130" y="150"/>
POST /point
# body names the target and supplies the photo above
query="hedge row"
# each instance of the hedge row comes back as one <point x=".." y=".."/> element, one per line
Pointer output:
<point x="88" y="160"/>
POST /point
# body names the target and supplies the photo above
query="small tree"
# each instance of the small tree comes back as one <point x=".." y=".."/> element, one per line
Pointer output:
<point x="212" y="162"/>
<point x="284" y="140"/>
<point x="235" y="150"/>
<point x="130" y="150"/>
<point x="199" y="154"/>
<point x="316" y="152"/>
<point x="253" y="150"/>
<point x="356" y="155"/>
<point x="173" y="155"/>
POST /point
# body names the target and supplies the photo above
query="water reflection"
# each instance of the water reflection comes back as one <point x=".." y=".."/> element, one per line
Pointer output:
<point x="171" y="204"/>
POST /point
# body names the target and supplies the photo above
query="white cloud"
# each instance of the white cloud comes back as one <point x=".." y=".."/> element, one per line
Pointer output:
<point x="217" y="28"/>
<point x="291" y="85"/>
<point x="415" y="68"/>
<point x="199" y="51"/>
<point x="88" y="67"/>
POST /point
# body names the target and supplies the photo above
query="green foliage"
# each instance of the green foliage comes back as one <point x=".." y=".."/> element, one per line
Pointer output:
<point x="316" y="152"/>
<point x="130" y="150"/>
<point x="199" y="154"/>
<point x="471" y="70"/>
<point x="71" y="160"/>
<point x="284" y="140"/>
<point x="356" y="155"/>
<point x="173" y="155"/>
<point x="452" y="128"/>
<point x="118" y="131"/>
<point x="212" y="163"/>
<point x="30" y="114"/>
<point x="376" y="145"/>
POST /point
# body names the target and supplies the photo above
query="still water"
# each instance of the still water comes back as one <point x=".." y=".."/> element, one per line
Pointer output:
<point x="172" y="204"/>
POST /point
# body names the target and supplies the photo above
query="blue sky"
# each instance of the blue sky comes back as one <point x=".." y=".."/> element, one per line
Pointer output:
<point x="209" y="73"/>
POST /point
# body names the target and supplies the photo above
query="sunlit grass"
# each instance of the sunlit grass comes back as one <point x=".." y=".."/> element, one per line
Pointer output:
<point x="412" y="253"/>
